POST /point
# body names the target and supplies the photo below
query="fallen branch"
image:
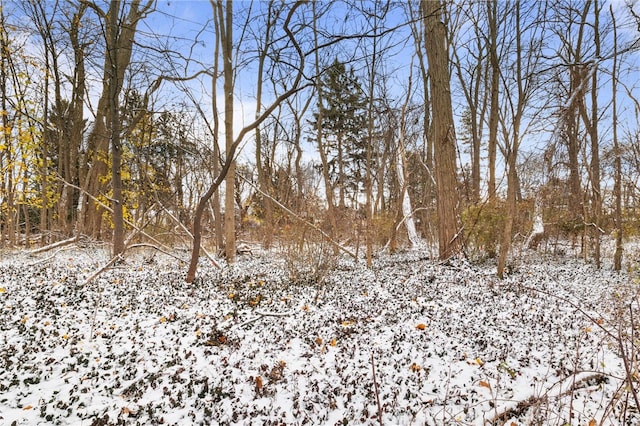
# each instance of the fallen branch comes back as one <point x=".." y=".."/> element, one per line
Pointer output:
<point x="55" y="245"/>
<point x="101" y="270"/>
<point x="48" y="258"/>
<point x="119" y="256"/>
<point x="566" y="387"/>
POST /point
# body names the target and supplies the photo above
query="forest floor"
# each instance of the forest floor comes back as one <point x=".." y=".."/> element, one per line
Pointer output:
<point x="411" y="340"/>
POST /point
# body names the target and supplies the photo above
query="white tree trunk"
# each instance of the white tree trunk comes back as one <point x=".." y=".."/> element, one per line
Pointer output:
<point x="407" y="211"/>
<point x="537" y="232"/>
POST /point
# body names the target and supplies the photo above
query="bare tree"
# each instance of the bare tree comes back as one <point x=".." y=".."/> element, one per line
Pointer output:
<point x="494" y="88"/>
<point x="469" y="55"/>
<point x="519" y="87"/>
<point x="227" y="20"/>
<point x="617" y="185"/>
<point x="119" y="29"/>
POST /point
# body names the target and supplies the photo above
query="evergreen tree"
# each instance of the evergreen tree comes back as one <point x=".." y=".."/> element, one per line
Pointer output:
<point x="344" y="123"/>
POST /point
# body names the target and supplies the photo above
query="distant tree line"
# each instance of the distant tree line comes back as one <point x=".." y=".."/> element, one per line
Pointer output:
<point x="457" y="128"/>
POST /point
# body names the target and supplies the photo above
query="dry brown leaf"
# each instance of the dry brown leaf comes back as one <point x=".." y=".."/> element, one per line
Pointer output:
<point x="421" y="326"/>
<point x="484" y="384"/>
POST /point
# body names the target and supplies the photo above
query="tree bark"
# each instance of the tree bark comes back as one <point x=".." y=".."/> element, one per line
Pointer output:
<point x="226" y="31"/>
<point x="494" y="110"/>
<point x="449" y="238"/>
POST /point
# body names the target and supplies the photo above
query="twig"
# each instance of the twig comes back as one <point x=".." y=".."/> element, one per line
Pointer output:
<point x="377" y="391"/>
<point x="262" y="315"/>
<point x="627" y="358"/>
<point x="184" y="228"/>
<point x="158" y="249"/>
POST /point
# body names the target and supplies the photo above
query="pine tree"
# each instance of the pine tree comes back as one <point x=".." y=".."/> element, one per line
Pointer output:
<point x="344" y="123"/>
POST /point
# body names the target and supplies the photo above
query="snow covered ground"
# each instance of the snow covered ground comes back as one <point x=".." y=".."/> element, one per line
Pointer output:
<point x="449" y="343"/>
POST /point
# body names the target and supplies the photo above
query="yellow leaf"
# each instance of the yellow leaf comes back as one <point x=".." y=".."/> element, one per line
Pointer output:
<point x="231" y="295"/>
<point x="333" y="342"/>
<point x="421" y="326"/>
<point x="47" y="323"/>
<point x="198" y="333"/>
<point x="65" y="336"/>
<point x="163" y="319"/>
<point x="24" y="319"/>
<point x="415" y="367"/>
<point x="479" y="362"/>
<point x="347" y="323"/>
<point x="587" y="329"/>
<point x="2" y="290"/>
<point x="592" y="422"/>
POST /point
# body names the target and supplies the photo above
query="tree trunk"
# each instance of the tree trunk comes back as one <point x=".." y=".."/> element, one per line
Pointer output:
<point x="617" y="188"/>
<point x="494" y="111"/>
<point x="217" y="213"/>
<point x="106" y="130"/>
<point x="264" y="181"/>
<point x="328" y="187"/>
<point x="595" y="144"/>
<point x="77" y="174"/>
<point x="114" y="113"/>
<point x="443" y="135"/>
<point x="230" y="180"/>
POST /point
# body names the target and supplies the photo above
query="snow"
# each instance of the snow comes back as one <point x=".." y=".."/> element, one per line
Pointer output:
<point x="450" y="343"/>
